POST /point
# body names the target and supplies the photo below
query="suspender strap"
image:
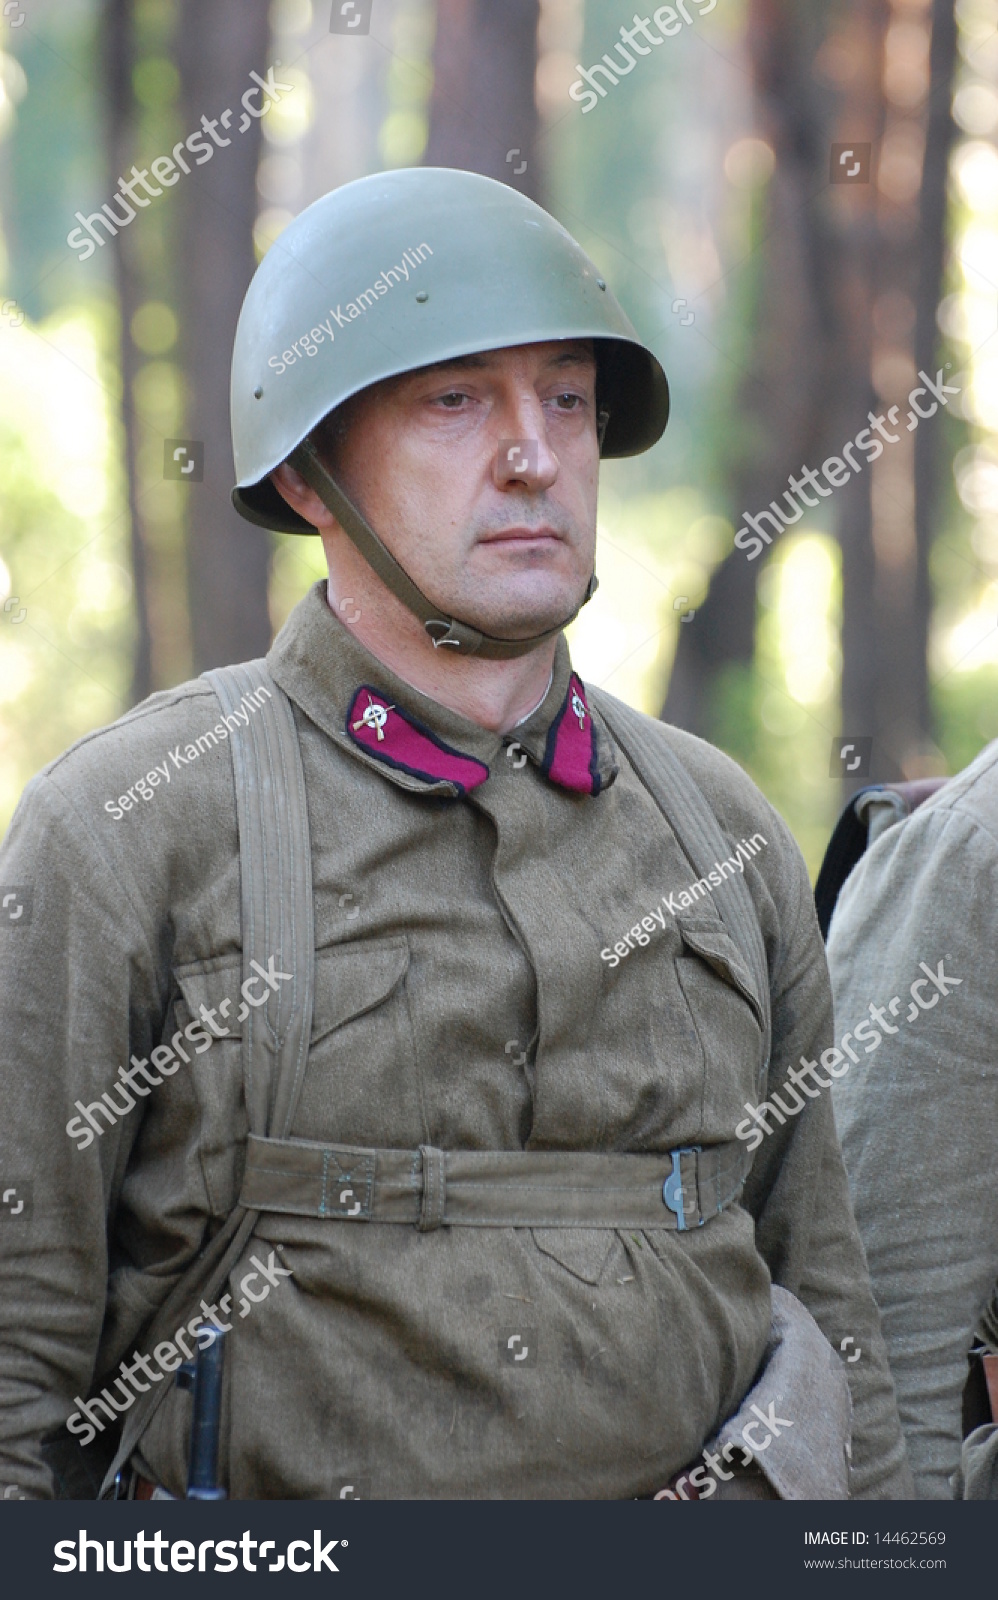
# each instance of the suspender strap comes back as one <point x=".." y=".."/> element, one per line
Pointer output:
<point x="275" y="868"/>
<point x="429" y="1188"/>
<point x="688" y="814"/>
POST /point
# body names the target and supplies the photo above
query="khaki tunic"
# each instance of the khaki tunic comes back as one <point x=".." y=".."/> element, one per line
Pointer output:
<point x="918" y="1114"/>
<point x="461" y="1000"/>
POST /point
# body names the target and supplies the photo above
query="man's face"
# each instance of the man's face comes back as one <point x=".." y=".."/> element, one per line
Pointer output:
<point x="480" y="475"/>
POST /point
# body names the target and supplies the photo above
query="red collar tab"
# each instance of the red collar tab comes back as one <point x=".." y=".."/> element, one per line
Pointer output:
<point x="388" y="734"/>
<point x="571" y="755"/>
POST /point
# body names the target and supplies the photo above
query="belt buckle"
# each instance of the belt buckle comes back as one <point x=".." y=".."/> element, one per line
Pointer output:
<point x="672" y="1188"/>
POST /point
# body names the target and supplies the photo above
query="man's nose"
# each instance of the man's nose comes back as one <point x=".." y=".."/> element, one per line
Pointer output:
<point x="523" y="455"/>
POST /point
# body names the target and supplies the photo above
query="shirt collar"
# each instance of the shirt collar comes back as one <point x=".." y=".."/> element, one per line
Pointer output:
<point x="424" y="746"/>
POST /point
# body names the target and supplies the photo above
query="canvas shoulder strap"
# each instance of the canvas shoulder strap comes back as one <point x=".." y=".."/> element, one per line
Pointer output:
<point x="688" y="814"/>
<point x="275" y="869"/>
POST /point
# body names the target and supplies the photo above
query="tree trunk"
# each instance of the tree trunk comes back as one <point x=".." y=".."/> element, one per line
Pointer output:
<point x="860" y="118"/>
<point x="228" y="558"/>
<point x="790" y="391"/>
<point x="887" y="526"/>
<point x="116" y="51"/>
<point x="850" y="279"/>
<point x="482" y="111"/>
<point x="932" y="252"/>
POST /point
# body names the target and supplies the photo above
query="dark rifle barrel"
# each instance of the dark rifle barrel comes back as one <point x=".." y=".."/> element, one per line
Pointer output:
<point x="206" y="1420"/>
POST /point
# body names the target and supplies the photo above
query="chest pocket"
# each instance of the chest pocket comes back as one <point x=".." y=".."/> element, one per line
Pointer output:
<point x="359" y="1085"/>
<point x="727" y="1015"/>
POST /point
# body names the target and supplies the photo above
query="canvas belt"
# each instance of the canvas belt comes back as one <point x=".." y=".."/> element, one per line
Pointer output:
<point x="429" y="1188"/>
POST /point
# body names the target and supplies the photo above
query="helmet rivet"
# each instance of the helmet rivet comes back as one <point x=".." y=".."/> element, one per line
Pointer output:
<point x="422" y="296"/>
<point x="600" y="284"/>
<point x="258" y="393"/>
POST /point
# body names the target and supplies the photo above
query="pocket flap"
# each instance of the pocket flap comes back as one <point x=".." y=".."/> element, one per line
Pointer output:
<point x="215" y="985"/>
<point x="707" y="938"/>
<point x="349" y="980"/>
<point x="583" y="1251"/>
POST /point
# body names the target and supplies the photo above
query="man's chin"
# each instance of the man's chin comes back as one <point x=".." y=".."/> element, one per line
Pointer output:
<point x="525" y="621"/>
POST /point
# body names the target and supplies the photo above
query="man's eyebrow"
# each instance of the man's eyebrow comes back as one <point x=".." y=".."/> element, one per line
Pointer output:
<point x="578" y="356"/>
<point x="442" y="366"/>
<point x="573" y="358"/>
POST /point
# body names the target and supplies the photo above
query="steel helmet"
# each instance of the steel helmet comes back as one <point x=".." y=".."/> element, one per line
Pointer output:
<point x="398" y="271"/>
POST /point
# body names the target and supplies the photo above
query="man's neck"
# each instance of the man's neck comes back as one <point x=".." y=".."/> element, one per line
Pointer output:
<point x="495" y="694"/>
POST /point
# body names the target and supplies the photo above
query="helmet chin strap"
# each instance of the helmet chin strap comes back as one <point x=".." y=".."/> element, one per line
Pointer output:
<point x="445" y="632"/>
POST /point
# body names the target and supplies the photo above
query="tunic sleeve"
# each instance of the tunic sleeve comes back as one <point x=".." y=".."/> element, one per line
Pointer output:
<point x="918" y="1116"/>
<point x="75" y="967"/>
<point x="799" y="1195"/>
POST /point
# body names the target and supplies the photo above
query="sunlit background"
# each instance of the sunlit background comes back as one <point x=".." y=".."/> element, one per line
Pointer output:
<point x="672" y="184"/>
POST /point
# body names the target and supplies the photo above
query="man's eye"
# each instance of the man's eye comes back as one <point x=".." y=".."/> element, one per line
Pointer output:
<point x="452" y="400"/>
<point x="569" y="402"/>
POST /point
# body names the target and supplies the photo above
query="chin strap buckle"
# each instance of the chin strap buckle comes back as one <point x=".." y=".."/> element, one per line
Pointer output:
<point x="445" y="631"/>
<point x="468" y="641"/>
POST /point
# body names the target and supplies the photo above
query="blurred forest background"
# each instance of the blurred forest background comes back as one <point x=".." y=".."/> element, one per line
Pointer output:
<point x="787" y="292"/>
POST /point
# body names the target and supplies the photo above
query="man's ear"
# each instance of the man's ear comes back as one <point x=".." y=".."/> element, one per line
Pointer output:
<point x="293" y="489"/>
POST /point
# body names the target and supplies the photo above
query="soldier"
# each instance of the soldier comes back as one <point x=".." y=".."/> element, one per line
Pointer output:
<point x="911" y="944"/>
<point x="461" y="973"/>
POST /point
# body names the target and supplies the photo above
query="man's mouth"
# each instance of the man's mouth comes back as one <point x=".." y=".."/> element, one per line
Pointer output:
<point x="541" y="535"/>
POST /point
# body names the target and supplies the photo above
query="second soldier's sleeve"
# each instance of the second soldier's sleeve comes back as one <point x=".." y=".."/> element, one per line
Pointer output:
<point x="798" y="1193"/>
<point x="918" y="1115"/>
